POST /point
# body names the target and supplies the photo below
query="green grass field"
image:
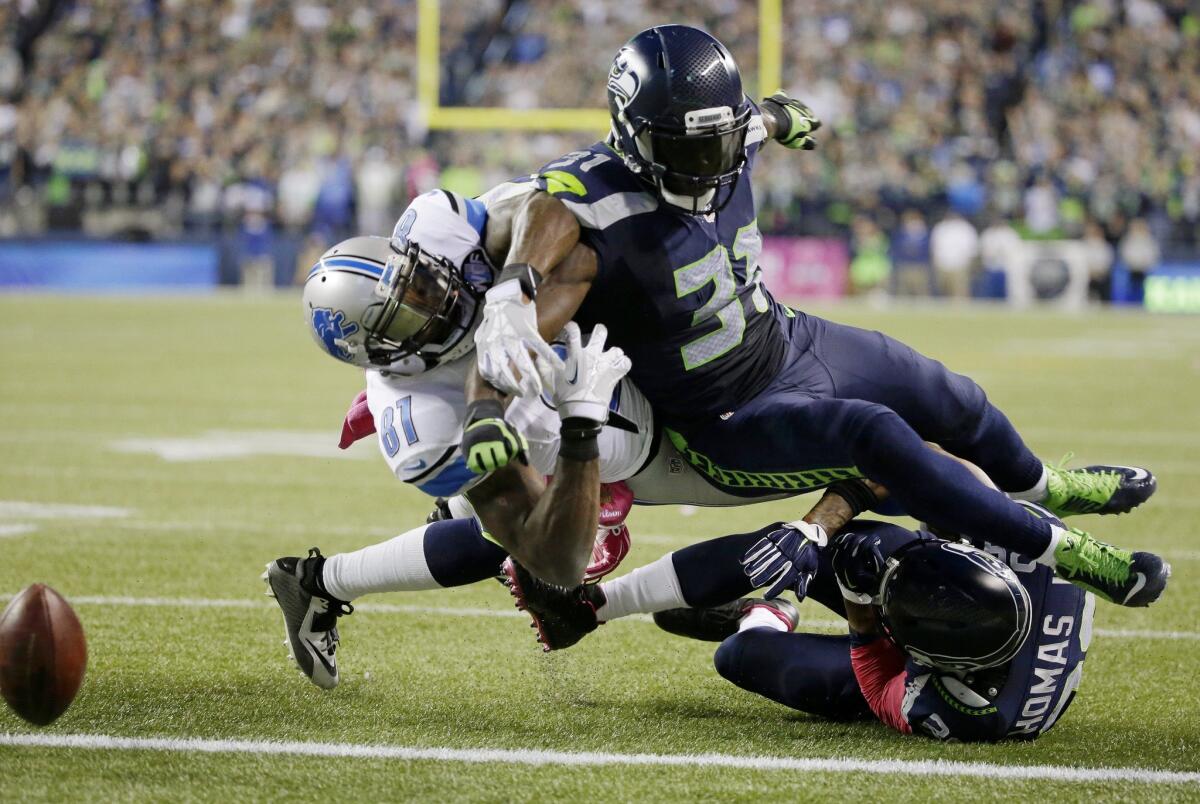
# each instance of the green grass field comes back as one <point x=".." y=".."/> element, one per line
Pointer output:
<point x="162" y="558"/>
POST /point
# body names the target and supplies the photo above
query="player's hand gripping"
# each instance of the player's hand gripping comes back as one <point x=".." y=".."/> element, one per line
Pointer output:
<point x="505" y="337"/>
<point x="488" y="441"/>
<point x="858" y="566"/>
<point x="582" y="384"/>
<point x="786" y="558"/>
<point x="795" y="123"/>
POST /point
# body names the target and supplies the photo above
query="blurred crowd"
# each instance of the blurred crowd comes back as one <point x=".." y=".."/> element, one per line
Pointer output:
<point x="270" y="119"/>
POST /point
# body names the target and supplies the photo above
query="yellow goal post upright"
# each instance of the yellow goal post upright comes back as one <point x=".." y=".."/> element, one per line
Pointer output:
<point x="467" y="118"/>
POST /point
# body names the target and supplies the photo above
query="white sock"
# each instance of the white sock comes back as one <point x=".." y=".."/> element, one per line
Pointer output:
<point x="461" y="508"/>
<point x="654" y="587"/>
<point x="1036" y="494"/>
<point x="397" y="565"/>
<point x="762" y="617"/>
<point x="1047" y="558"/>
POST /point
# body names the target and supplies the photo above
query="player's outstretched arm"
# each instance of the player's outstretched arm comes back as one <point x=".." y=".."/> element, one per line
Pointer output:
<point x="551" y="532"/>
<point x="533" y="236"/>
<point x="488" y="441"/>
<point x="789" y="122"/>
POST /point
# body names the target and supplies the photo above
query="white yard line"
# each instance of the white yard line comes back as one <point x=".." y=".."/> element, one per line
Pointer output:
<point x="22" y="509"/>
<point x="539" y="757"/>
<point x="455" y="611"/>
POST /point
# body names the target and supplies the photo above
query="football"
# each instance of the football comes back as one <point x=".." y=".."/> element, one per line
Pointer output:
<point x="43" y="654"/>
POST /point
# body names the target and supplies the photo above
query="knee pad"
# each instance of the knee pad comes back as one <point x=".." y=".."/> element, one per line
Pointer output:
<point x="728" y="659"/>
<point x="965" y="406"/>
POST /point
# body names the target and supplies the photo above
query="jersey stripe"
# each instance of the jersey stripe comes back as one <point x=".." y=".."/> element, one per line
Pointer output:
<point x="371" y="269"/>
<point x="438" y="464"/>
<point x="612" y="208"/>
<point x="450" y="481"/>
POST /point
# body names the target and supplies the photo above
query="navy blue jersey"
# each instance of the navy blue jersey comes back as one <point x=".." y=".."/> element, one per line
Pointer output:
<point x="1025" y="698"/>
<point x="681" y="294"/>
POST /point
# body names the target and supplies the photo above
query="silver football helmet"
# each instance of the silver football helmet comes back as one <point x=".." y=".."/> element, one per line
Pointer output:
<point x="389" y="304"/>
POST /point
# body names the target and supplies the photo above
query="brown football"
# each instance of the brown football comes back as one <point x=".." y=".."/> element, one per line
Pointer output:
<point x="43" y="654"/>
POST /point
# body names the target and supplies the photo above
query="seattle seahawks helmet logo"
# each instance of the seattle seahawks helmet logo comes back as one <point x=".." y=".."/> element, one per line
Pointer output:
<point x="622" y="81"/>
<point x="333" y="329"/>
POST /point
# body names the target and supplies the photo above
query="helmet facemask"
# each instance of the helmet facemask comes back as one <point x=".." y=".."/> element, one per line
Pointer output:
<point x="425" y="307"/>
<point x="695" y="167"/>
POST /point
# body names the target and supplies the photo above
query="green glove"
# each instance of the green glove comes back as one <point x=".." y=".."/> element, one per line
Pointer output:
<point x="794" y="122"/>
<point x="489" y="442"/>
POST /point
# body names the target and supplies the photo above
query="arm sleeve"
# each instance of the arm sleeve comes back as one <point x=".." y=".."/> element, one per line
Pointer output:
<point x="879" y="667"/>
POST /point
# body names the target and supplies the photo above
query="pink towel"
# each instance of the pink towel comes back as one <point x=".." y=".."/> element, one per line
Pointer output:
<point x="359" y="422"/>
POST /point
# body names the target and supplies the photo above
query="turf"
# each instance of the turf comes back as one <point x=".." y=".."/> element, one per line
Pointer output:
<point x="79" y="374"/>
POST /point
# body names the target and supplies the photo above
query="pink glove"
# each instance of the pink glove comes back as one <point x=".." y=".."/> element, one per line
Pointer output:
<point x="359" y="422"/>
<point x="615" y="501"/>
<point x="610" y="548"/>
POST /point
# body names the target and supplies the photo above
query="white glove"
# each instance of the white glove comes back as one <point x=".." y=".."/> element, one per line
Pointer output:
<point x="583" y="385"/>
<point x="503" y="341"/>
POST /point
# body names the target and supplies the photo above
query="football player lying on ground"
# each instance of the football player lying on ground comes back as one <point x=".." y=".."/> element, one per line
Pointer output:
<point x="945" y="639"/>
<point x="959" y="641"/>
<point x="659" y="220"/>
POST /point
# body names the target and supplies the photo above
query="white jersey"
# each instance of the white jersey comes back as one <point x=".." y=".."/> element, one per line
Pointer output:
<point x="419" y="422"/>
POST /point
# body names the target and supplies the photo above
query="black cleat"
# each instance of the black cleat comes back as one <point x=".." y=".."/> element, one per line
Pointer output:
<point x="561" y="616"/>
<point x="310" y="615"/>
<point x="440" y="512"/>
<point x="718" y="623"/>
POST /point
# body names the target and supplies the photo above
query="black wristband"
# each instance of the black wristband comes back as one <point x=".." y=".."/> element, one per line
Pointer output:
<point x="774" y="109"/>
<point x="578" y="439"/>
<point x="484" y="409"/>
<point x="523" y="272"/>
<point x="856" y="494"/>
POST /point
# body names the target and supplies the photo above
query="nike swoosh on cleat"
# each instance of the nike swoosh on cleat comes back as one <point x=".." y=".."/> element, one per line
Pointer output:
<point x="1138" y="473"/>
<point x="321" y="657"/>
<point x="1137" y="587"/>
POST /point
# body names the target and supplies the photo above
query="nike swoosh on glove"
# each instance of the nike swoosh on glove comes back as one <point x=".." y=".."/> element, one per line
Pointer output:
<point x="786" y="558"/>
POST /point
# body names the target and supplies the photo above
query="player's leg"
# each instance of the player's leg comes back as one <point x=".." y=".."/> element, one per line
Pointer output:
<point x="809" y="672"/>
<point x="315" y="591"/>
<point x="951" y="410"/>
<point x="782" y="430"/>
<point x="706" y="576"/>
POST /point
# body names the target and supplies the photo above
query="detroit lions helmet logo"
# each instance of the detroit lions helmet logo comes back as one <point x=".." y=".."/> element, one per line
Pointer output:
<point x="332" y="328"/>
<point x="623" y="82"/>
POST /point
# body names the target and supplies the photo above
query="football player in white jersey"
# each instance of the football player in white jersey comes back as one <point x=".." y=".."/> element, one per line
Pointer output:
<point x="404" y="310"/>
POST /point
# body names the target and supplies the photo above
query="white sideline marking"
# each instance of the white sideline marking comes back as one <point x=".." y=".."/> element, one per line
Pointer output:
<point x="20" y="509"/>
<point x="10" y="530"/>
<point x="538" y="757"/>
<point x="453" y="611"/>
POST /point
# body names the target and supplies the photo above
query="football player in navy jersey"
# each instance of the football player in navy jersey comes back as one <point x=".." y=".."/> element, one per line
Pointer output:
<point x="957" y="641"/>
<point x="950" y="640"/>
<point x="652" y="232"/>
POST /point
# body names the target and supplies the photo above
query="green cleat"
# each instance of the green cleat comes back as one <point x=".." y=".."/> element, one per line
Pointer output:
<point x="1118" y="576"/>
<point x="1097" y="489"/>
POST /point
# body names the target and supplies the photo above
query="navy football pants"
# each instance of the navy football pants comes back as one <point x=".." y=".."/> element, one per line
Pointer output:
<point x="809" y="672"/>
<point x="848" y="397"/>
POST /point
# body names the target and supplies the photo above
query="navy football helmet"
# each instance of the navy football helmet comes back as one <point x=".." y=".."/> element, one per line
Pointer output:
<point x="954" y="607"/>
<point x="679" y="115"/>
